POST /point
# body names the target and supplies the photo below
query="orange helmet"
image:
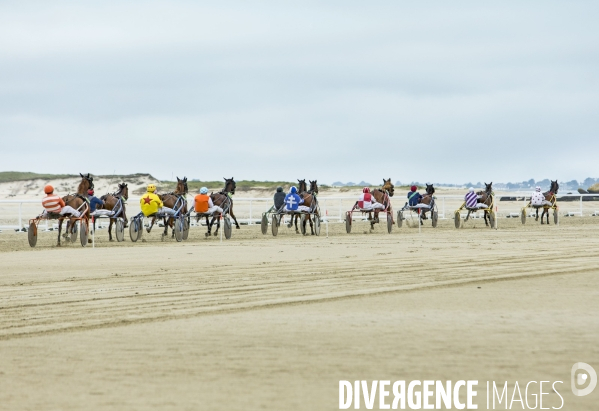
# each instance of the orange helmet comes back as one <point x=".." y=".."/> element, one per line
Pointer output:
<point x="48" y="189"/>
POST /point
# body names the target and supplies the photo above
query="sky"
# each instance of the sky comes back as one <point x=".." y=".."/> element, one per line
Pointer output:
<point x="347" y="90"/>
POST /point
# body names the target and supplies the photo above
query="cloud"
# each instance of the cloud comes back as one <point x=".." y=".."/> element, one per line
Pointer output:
<point x="282" y="90"/>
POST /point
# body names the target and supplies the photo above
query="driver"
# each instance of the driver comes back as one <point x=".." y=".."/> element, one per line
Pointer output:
<point x="150" y="203"/>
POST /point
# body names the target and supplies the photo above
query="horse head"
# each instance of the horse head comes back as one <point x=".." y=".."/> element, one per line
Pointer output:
<point x="554" y="187"/>
<point x="313" y="187"/>
<point x="86" y="180"/>
<point x="388" y="187"/>
<point x="489" y="188"/>
<point x="182" y="186"/>
<point x="123" y="190"/>
<point x="230" y="185"/>
<point x="430" y="189"/>
<point x="302" y="187"/>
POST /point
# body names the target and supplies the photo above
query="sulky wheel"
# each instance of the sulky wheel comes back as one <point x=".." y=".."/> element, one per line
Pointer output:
<point x="179" y="229"/>
<point x="492" y="217"/>
<point x="32" y="234"/>
<point x="73" y="233"/>
<point x="389" y="223"/>
<point x="317" y="225"/>
<point x="399" y="218"/>
<point x="119" y="230"/>
<point x="457" y="218"/>
<point x="348" y="222"/>
<point x="134" y="229"/>
<point x="435" y="218"/>
<point x="274" y="225"/>
<point x="84" y="232"/>
<point x="523" y="216"/>
<point x="555" y="217"/>
<point x="227" y="227"/>
<point x="264" y="224"/>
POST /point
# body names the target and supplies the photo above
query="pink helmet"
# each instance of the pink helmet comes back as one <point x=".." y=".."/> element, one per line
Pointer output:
<point x="366" y="190"/>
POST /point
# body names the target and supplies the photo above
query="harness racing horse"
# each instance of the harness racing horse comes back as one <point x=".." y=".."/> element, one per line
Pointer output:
<point x="550" y="197"/>
<point x="486" y="198"/>
<point x="426" y="199"/>
<point x="111" y="201"/>
<point x="173" y="201"/>
<point x="309" y="197"/>
<point x="76" y="201"/>
<point x="224" y="200"/>
<point x="381" y="195"/>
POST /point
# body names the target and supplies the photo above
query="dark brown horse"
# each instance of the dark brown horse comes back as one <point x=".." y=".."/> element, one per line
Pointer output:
<point x="224" y="200"/>
<point x="486" y="198"/>
<point x="309" y="197"/>
<point x="381" y="195"/>
<point x="111" y="201"/>
<point x="427" y="199"/>
<point x="175" y="200"/>
<point x="76" y="201"/>
<point x="549" y="196"/>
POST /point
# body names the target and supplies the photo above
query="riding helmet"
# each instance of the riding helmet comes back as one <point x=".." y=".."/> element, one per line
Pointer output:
<point x="151" y="188"/>
<point x="203" y="190"/>
<point x="48" y="189"/>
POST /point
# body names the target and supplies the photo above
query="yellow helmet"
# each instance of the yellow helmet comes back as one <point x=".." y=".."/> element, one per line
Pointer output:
<point x="151" y="188"/>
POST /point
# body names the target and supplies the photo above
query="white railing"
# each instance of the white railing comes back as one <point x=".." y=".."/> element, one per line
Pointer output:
<point x="248" y="210"/>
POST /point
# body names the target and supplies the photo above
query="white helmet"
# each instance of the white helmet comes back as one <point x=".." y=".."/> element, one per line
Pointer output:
<point x="471" y="189"/>
<point x="538" y="188"/>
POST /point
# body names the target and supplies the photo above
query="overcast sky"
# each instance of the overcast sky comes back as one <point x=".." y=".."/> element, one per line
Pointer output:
<point x="327" y="90"/>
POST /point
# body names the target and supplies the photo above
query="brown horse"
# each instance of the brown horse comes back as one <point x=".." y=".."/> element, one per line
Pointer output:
<point x="110" y="202"/>
<point x="427" y="199"/>
<point x="486" y="198"/>
<point x="309" y="197"/>
<point x="381" y="195"/>
<point x="224" y="200"/>
<point x="549" y="196"/>
<point x="175" y="200"/>
<point x="76" y="201"/>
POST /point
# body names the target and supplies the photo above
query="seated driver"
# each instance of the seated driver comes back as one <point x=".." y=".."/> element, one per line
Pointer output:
<point x="279" y="198"/>
<point x="150" y="203"/>
<point x="414" y="197"/>
<point x="293" y="202"/>
<point x="54" y="204"/>
<point x="472" y="199"/>
<point x="537" y="198"/>
<point x="95" y="205"/>
<point x="202" y="203"/>
<point x="368" y="202"/>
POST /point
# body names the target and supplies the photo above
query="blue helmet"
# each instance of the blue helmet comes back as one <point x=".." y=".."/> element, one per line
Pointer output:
<point x="293" y="190"/>
<point x="203" y="190"/>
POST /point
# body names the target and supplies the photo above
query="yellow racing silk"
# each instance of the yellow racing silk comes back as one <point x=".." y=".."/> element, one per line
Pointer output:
<point x="150" y="203"/>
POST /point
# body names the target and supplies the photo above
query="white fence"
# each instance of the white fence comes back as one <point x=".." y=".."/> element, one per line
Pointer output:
<point x="15" y="214"/>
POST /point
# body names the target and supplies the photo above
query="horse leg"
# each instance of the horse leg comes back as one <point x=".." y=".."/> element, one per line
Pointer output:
<point x="125" y="218"/>
<point x="537" y="214"/>
<point x="217" y="224"/>
<point x="542" y="215"/>
<point x="148" y="229"/>
<point x="296" y="217"/>
<point x="233" y="216"/>
<point x="109" y="228"/>
<point x="59" y="230"/>
<point x="487" y="224"/>
<point x="311" y="225"/>
<point x="209" y="225"/>
<point x="467" y="216"/>
<point x="547" y="211"/>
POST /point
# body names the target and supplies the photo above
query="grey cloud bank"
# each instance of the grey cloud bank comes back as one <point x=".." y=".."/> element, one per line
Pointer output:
<point x="280" y="90"/>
